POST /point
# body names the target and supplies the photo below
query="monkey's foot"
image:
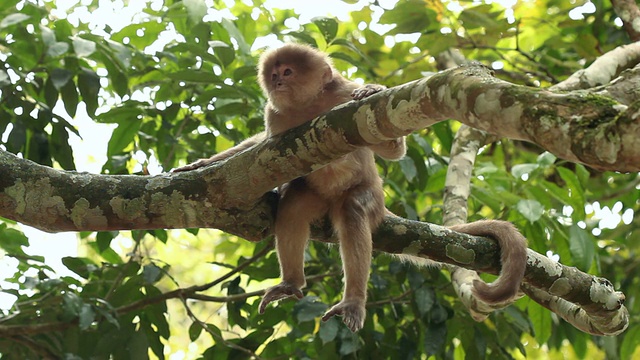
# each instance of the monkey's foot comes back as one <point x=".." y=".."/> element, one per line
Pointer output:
<point x="353" y="314"/>
<point x="366" y="91"/>
<point x="280" y="291"/>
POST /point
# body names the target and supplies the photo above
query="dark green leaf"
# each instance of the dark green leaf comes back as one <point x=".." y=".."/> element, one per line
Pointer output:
<point x="87" y="317"/>
<point x="194" y="331"/>
<point x="60" y="77"/>
<point x="329" y="330"/>
<point x="425" y="299"/>
<point x="89" y="86"/>
<point x="80" y="266"/>
<point x="70" y="98"/>
<point x="435" y="337"/>
<point x="308" y="309"/>
<point x="151" y="273"/>
<point x="60" y="148"/>
<point x="582" y="248"/>
<point x="71" y="305"/>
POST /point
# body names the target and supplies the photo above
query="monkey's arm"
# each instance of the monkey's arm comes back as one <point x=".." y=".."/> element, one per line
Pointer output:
<point x="225" y="154"/>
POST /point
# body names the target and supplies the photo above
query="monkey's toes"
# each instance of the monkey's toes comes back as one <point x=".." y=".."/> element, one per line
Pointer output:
<point x="278" y="292"/>
<point x="353" y="314"/>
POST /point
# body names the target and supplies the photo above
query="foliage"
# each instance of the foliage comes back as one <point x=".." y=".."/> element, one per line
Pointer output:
<point x="177" y="88"/>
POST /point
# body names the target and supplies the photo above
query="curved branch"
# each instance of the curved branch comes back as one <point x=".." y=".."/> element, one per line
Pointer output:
<point x="602" y="71"/>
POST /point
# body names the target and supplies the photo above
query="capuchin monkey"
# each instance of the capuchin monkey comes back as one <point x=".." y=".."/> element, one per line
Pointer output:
<point x="301" y="84"/>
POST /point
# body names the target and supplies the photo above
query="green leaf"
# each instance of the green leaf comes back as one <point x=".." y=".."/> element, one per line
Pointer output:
<point x="122" y="136"/>
<point x="194" y="331"/>
<point x="13" y="19"/>
<point x="630" y="343"/>
<point x="80" y="266"/>
<point x="103" y="239"/>
<point x="70" y="98"/>
<point x="329" y="330"/>
<point x="582" y="248"/>
<point x="60" y="77"/>
<point x="58" y="49"/>
<point x="425" y="298"/>
<point x="523" y="169"/>
<point x="408" y="168"/>
<point x="328" y="27"/>
<point x="194" y="76"/>
<point x="71" y="305"/>
<point x="89" y="86"/>
<point x="196" y="9"/>
<point x="410" y="16"/>
<point x="223" y="52"/>
<point x="532" y="210"/>
<point x="542" y="322"/>
<point x="308" y="309"/>
<point x="546" y="159"/>
<point x="87" y="316"/>
<point x="60" y="148"/>
<point x="151" y="273"/>
<point x="13" y="241"/>
<point x="350" y="342"/>
<point x="83" y="47"/>
<point x="435" y="337"/>
<point x="576" y="192"/>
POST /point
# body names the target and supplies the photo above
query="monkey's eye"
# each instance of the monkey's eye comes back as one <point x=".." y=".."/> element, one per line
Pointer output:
<point x="287" y="72"/>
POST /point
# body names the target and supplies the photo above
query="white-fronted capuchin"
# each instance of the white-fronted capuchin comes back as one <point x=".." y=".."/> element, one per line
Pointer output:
<point x="301" y="84"/>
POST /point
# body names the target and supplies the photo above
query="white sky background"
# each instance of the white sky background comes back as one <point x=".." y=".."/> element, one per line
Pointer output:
<point x="90" y="151"/>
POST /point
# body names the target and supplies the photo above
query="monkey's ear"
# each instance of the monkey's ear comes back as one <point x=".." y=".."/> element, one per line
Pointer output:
<point x="327" y="75"/>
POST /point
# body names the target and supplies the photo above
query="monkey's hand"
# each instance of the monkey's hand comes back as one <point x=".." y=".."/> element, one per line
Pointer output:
<point x="280" y="291"/>
<point x="391" y="150"/>
<point x="366" y="91"/>
<point x="352" y="311"/>
<point x="194" y="165"/>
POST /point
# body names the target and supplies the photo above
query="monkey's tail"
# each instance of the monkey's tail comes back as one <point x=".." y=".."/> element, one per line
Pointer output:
<point x="513" y="247"/>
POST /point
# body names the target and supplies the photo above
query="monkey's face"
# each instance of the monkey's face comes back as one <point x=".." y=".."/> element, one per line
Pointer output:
<point x="290" y="85"/>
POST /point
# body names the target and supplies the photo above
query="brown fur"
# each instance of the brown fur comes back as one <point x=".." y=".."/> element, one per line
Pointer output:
<point x="301" y="84"/>
<point x="513" y="248"/>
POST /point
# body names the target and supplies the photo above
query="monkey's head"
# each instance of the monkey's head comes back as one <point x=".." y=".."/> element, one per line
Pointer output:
<point x="293" y="75"/>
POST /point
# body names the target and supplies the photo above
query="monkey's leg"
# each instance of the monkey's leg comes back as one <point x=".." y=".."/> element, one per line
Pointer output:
<point x="353" y="219"/>
<point x="298" y="207"/>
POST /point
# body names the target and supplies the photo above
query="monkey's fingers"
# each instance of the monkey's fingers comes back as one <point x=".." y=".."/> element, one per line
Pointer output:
<point x="366" y="91"/>
<point x="194" y="165"/>
<point x="278" y="292"/>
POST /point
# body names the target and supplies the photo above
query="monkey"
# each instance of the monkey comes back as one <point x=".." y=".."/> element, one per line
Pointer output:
<point x="300" y="84"/>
